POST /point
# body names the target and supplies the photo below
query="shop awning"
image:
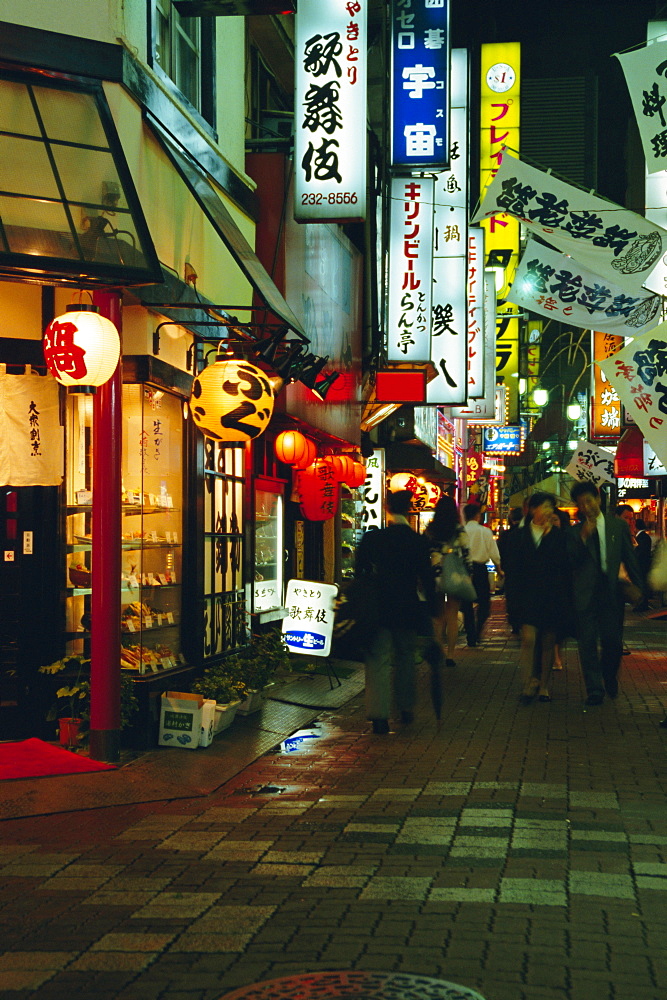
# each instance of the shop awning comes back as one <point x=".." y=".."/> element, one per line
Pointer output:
<point x="69" y="210"/>
<point x="216" y="212"/>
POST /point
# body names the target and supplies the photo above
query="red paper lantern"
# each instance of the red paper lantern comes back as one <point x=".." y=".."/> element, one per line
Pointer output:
<point x="318" y="491"/>
<point x="347" y="468"/>
<point x="403" y="481"/>
<point x="336" y="463"/>
<point x="358" y="477"/>
<point x="293" y="448"/>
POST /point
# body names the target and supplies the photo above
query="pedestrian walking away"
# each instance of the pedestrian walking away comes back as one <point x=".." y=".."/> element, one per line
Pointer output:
<point x="398" y="560"/>
<point x="483" y="549"/>
<point x="446" y="534"/>
<point x="598" y="547"/>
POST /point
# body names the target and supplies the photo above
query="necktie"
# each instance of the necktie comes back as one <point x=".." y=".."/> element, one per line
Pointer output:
<point x="594" y="542"/>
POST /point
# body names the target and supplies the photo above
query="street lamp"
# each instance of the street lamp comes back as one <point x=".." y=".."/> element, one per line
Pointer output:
<point x="574" y="411"/>
<point x="540" y="397"/>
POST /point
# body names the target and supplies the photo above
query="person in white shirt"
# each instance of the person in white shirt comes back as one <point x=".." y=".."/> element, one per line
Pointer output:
<point x="483" y="548"/>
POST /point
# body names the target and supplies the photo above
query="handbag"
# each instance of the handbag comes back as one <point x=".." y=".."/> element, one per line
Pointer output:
<point x="451" y="574"/>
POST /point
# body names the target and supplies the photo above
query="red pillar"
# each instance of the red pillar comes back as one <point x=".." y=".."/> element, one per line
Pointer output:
<point x="106" y="556"/>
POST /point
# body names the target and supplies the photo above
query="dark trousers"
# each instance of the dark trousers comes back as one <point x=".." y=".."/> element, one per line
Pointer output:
<point x="600" y="639"/>
<point x="474" y="625"/>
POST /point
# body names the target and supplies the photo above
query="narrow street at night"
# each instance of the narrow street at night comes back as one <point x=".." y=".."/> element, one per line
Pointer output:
<point x="518" y="851"/>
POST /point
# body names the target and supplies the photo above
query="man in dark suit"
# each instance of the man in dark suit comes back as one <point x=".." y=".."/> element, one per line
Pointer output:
<point x="399" y="560"/>
<point x="596" y="548"/>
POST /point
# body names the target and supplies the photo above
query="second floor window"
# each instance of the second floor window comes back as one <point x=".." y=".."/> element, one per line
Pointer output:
<point x="182" y="47"/>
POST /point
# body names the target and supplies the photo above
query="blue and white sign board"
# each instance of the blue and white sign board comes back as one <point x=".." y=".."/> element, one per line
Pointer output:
<point x="310" y="617"/>
<point x="420" y="83"/>
<point x="506" y="440"/>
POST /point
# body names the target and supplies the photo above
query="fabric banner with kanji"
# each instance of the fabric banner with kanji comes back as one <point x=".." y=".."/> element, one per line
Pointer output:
<point x="31" y="438"/>
<point x="638" y="372"/>
<point x="645" y="74"/>
<point x="617" y="244"/>
<point x="591" y="464"/>
<point x="553" y="285"/>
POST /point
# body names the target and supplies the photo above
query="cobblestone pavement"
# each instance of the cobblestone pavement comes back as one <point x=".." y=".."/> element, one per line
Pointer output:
<point x="520" y="851"/>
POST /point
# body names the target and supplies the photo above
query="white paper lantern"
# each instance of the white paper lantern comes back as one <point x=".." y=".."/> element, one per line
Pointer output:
<point x="81" y="348"/>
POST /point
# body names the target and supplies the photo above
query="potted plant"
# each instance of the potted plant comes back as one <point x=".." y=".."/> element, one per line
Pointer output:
<point x="72" y="705"/>
<point x="249" y="673"/>
<point x="218" y="685"/>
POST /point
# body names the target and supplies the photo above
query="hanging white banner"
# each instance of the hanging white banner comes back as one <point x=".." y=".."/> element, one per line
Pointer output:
<point x="31" y="438"/>
<point x="410" y="275"/>
<point x="591" y="464"/>
<point x="652" y="464"/>
<point x="614" y="243"/>
<point x="330" y="111"/>
<point x="638" y="372"/>
<point x="554" y="285"/>
<point x="644" y="71"/>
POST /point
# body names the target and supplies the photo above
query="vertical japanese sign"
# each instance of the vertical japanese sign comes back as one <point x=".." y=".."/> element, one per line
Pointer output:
<point x="372" y="492"/>
<point x="645" y="72"/>
<point x="475" y="324"/>
<point x="410" y="269"/>
<point x="638" y="372"/>
<point x="419" y="82"/>
<point x="605" y="404"/>
<point x="330" y="110"/>
<point x="310" y="613"/>
<point x="450" y="228"/>
<point x="500" y="119"/>
<point x="533" y="349"/>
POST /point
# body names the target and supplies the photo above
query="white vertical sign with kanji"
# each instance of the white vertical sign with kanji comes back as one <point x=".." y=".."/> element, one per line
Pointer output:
<point x="372" y="492"/>
<point x="310" y="615"/>
<point x="410" y="269"/>
<point x="330" y="110"/>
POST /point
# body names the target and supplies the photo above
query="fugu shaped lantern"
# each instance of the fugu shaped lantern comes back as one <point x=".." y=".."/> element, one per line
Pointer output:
<point x="403" y="481"/>
<point x="294" y="448"/>
<point x="318" y="491"/>
<point x="231" y="400"/>
<point x="81" y="348"/>
<point x="434" y="494"/>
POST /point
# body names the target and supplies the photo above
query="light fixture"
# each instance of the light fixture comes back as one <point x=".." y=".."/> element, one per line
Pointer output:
<point x="546" y="445"/>
<point x="574" y="411"/>
<point x="268" y="348"/>
<point x="322" y="387"/>
<point x="540" y="397"/>
<point x="289" y="366"/>
<point x="311" y="369"/>
<point x="572" y="445"/>
<point x="81" y="348"/>
<point x="523" y="385"/>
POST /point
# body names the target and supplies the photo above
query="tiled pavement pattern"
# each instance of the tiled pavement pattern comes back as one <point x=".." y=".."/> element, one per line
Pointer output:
<point x="519" y="851"/>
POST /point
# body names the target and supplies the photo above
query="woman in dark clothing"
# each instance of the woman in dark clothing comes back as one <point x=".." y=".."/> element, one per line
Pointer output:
<point x="643" y="553"/>
<point x="446" y="532"/>
<point x="541" y="594"/>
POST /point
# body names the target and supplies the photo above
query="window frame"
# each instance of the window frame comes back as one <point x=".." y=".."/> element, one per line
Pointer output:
<point x="205" y="114"/>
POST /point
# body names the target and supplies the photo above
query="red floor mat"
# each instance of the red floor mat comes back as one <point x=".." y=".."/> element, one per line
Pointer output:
<point x="34" y="758"/>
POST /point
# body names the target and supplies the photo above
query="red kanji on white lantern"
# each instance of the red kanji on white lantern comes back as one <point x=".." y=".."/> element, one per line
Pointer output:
<point x="81" y="348"/>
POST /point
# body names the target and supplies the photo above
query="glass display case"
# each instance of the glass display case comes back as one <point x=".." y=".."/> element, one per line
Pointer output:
<point x="151" y="531"/>
<point x="268" y="583"/>
<point x="351" y="529"/>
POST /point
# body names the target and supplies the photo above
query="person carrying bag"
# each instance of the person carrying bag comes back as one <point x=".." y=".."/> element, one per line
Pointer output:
<point x="449" y="561"/>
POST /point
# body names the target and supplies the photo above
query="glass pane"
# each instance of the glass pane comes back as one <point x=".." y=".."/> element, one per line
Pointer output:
<point x="83" y="172"/>
<point x="163" y="45"/>
<point x="189" y="26"/>
<point x="16" y="110"/>
<point x="69" y="116"/>
<point x="208" y="565"/>
<point x="25" y="168"/>
<point x="188" y="72"/>
<point x="36" y="227"/>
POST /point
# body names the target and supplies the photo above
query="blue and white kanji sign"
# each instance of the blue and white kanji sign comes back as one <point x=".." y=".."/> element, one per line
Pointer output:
<point x="310" y="615"/>
<point x="420" y="83"/>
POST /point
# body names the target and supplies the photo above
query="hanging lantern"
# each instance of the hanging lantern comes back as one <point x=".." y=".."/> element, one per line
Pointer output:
<point x="318" y="491"/>
<point x="402" y="481"/>
<point x="339" y="467"/>
<point x="81" y="348"/>
<point x="294" y="448"/>
<point x="358" y="477"/>
<point x="347" y="468"/>
<point x="231" y="400"/>
<point x="434" y="494"/>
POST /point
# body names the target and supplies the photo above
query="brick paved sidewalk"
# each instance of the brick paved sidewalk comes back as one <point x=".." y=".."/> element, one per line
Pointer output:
<point x="517" y="850"/>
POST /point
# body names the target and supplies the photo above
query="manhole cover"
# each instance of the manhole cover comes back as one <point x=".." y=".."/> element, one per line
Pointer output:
<point x="353" y="986"/>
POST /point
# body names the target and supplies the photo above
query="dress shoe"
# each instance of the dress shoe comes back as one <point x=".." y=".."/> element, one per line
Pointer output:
<point x="595" y="698"/>
<point x="407" y="717"/>
<point x="611" y="686"/>
<point x="545" y="698"/>
<point x="380" y="726"/>
<point x="449" y="662"/>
